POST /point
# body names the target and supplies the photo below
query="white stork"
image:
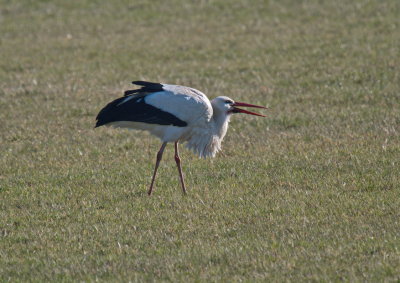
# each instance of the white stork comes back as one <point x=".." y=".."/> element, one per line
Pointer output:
<point x="174" y="113"/>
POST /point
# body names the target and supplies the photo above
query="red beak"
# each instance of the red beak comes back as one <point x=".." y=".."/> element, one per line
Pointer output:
<point x="238" y="110"/>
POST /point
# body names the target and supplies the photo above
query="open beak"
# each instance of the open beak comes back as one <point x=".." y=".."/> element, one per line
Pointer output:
<point x="238" y="110"/>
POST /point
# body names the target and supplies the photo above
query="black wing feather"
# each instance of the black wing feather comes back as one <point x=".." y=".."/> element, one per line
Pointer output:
<point x="136" y="110"/>
<point x="146" y="87"/>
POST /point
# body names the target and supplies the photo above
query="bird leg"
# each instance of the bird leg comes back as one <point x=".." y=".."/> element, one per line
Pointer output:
<point x="178" y="163"/>
<point x="159" y="157"/>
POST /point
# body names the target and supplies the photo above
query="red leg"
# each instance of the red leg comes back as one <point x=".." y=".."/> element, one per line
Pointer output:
<point x="178" y="163"/>
<point x="159" y="157"/>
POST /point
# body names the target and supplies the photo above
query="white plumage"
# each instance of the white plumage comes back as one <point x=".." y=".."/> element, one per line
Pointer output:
<point x="174" y="113"/>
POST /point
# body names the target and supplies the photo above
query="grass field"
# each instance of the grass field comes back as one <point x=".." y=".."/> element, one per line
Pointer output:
<point x="310" y="193"/>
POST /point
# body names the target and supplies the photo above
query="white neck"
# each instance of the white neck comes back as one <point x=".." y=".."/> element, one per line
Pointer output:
<point x="207" y="141"/>
<point x="220" y="121"/>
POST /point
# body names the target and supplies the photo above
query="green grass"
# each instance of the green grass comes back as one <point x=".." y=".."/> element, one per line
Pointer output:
<point x="310" y="193"/>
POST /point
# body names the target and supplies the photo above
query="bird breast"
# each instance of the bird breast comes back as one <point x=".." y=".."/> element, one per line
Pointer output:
<point x="206" y="141"/>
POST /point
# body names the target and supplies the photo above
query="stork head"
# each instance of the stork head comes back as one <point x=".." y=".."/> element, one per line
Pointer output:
<point x="227" y="105"/>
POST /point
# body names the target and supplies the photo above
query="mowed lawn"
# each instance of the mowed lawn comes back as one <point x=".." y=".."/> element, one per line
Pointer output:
<point x="310" y="193"/>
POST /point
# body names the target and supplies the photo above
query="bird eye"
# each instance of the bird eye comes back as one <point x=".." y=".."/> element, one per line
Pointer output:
<point x="228" y="101"/>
